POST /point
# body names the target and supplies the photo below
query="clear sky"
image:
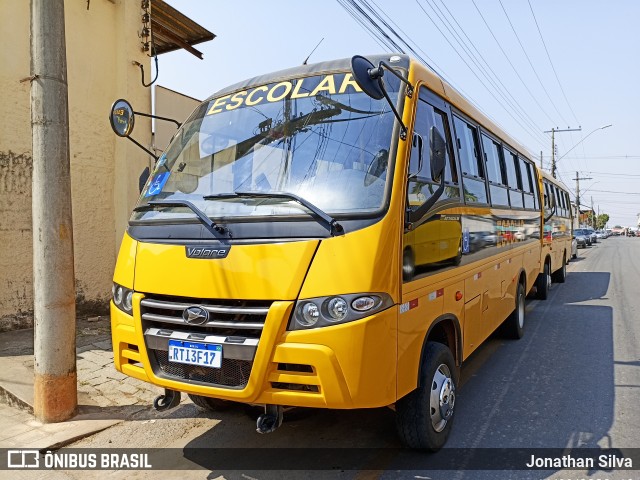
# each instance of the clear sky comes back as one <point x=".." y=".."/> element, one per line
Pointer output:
<point x="593" y="45"/>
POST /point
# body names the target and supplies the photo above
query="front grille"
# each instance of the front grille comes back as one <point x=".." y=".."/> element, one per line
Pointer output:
<point x="241" y="318"/>
<point x="235" y="324"/>
<point x="234" y="373"/>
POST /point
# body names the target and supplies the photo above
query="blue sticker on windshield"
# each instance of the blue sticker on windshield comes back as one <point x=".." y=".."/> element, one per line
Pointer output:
<point x="156" y="185"/>
<point x="161" y="160"/>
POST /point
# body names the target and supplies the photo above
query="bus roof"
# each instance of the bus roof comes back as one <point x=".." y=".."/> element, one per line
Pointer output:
<point x="416" y="71"/>
<point x="343" y="64"/>
<point x="455" y="98"/>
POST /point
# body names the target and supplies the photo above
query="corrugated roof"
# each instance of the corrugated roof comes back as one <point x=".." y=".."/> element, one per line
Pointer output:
<point x="172" y="30"/>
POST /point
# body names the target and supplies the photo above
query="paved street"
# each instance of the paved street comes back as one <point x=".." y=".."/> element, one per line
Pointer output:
<point x="573" y="380"/>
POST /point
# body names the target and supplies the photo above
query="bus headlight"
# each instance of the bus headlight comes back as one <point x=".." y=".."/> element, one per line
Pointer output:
<point x="309" y="314"/>
<point x="325" y="311"/>
<point x="122" y="298"/>
<point x="337" y="308"/>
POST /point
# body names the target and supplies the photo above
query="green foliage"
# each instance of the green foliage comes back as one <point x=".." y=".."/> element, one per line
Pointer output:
<point x="602" y="220"/>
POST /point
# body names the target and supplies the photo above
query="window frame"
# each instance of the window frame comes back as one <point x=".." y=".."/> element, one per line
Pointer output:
<point x="425" y="95"/>
<point x="471" y="124"/>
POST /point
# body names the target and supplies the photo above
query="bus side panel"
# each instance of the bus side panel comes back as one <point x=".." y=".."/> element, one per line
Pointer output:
<point x="418" y="311"/>
<point x="531" y="265"/>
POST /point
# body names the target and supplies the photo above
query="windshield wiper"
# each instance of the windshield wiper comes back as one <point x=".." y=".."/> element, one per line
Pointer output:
<point x="204" y="219"/>
<point x="331" y="223"/>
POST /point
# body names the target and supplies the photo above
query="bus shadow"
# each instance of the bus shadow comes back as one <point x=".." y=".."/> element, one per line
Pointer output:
<point x="552" y="389"/>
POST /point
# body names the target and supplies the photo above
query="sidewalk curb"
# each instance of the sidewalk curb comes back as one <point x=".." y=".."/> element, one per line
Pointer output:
<point x="16" y="384"/>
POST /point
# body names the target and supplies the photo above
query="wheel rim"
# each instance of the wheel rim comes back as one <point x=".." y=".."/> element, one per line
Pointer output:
<point x="443" y="398"/>
<point x="548" y="272"/>
<point x="520" y="312"/>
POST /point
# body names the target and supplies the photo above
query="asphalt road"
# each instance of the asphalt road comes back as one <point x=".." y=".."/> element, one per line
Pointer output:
<point x="572" y="381"/>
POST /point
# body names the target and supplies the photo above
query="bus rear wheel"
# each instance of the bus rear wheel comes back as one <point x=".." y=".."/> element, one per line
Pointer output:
<point x="561" y="275"/>
<point x="543" y="282"/>
<point x="514" y="324"/>
<point x="424" y="417"/>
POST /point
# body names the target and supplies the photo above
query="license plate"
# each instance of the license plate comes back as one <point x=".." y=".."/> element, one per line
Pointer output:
<point x="191" y="353"/>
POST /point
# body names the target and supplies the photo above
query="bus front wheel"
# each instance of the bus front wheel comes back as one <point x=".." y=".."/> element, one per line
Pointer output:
<point x="424" y="417"/>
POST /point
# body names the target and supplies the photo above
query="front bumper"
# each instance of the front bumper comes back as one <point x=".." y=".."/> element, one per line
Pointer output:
<point x="350" y="365"/>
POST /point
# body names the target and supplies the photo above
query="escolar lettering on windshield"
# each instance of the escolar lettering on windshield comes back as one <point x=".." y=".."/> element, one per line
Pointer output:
<point x="303" y="87"/>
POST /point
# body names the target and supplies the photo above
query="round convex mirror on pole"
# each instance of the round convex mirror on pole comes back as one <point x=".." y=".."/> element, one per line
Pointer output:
<point x="122" y="118"/>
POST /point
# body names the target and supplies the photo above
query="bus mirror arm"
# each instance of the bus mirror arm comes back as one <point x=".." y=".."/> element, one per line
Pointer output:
<point x="369" y="79"/>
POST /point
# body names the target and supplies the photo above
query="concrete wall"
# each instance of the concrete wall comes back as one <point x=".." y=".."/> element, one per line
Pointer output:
<point x="102" y="41"/>
<point x="170" y="104"/>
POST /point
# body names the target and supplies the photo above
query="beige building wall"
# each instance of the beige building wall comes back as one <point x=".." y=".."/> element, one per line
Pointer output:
<point x="170" y="104"/>
<point x="102" y="41"/>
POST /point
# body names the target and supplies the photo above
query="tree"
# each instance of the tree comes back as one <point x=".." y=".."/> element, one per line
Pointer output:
<point x="602" y="221"/>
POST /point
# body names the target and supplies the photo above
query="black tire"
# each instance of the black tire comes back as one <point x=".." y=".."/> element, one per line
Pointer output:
<point x="514" y="324"/>
<point x="574" y="256"/>
<point x="421" y="426"/>
<point x="560" y="275"/>
<point x="408" y="264"/>
<point x="543" y="281"/>
<point x="210" y="404"/>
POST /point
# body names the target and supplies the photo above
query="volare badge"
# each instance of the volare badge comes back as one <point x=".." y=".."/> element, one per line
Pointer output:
<point x="208" y="252"/>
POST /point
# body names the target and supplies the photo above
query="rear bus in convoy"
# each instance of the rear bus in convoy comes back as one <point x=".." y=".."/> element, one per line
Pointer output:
<point x="340" y="235"/>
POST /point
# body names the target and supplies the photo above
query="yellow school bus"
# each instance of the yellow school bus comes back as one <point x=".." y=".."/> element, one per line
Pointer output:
<point x="339" y="235"/>
<point x="557" y="233"/>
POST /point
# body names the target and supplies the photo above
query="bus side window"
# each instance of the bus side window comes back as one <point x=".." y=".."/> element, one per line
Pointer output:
<point x="473" y="176"/>
<point x="527" y="184"/>
<point x="495" y="171"/>
<point x="513" y="178"/>
<point x="420" y="184"/>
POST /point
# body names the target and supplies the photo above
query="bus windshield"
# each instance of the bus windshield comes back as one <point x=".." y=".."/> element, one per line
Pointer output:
<point x="319" y="138"/>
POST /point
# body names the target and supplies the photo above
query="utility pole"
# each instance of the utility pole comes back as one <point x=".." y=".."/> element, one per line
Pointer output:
<point x="553" y="145"/>
<point x="541" y="167"/>
<point x="55" y="388"/>
<point x="593" y="220"/>
<point x="577" y="179"/>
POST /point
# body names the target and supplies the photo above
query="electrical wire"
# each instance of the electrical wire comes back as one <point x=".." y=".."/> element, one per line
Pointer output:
<point x="531" y="64"/>
<point x="495" y="79"/>
<point x="533" y="97"/>
<point x="552" y="66"/>
<point x="471" y="69"/>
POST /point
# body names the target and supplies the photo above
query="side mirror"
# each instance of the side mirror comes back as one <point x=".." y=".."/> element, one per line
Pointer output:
<point x="369" y="79"/>
<point x="437" y="153"/>
<point x="370" y="84"/>
<point x="122" y="118"/>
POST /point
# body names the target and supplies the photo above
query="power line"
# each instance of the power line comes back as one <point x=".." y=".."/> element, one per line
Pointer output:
<point x="469" y="67"/>
<point x="368" y="23"/>
<point x="533" y="97"/>
<point x="504" y="92"/>
<point x="618" y="193"/>
<point x="609" y="174"/>
<point x="531" y="64"/>
<point x="552" y="66"/>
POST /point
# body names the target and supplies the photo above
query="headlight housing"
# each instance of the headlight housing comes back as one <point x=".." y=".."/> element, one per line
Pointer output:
<point x="325" y="311"/>
<point x="122" y="298"/>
